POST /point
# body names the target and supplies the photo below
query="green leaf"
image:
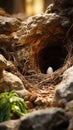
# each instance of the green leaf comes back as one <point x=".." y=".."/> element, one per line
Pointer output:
<point x="4" y="107"/>
<point x="11" y="103"/>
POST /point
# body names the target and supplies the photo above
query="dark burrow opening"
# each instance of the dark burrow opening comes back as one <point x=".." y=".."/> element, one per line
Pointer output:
<point x="52" y="56"/>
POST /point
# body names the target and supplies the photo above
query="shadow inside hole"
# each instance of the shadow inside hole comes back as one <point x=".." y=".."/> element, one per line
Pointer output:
<point x="3" y="52"/>
<point x="52" y="56"/>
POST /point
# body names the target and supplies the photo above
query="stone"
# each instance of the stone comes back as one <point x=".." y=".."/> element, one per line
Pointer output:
<point x="64" y="3"/>
<point x="4" y="13"/>
<point x="71" y="125"/>
<point x="40" y="101"/>
<point x="48" y="119"/>
<point x="69" y="113"/>
<point x="10" y="66"/>
<point x="8" y="24"/>
<point x="41" y="37"/>
<point x="64" y="90"/>
<point x="20" y="16"/>
<point x="9" y="81"/>
<point x="49" y="8"/>
<point x="69" y="107"/>
<point x="3" y="127"/>
<point x="62" y="8"/>
<point x="24" y="94"/>
<point x="3" y="62"/>
<point x="9" y="125"/>
<point x="33" y="27"/>
<point x="5" y="39"/>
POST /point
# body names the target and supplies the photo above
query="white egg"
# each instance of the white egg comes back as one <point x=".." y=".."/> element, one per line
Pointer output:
<point x="49" y="70"/>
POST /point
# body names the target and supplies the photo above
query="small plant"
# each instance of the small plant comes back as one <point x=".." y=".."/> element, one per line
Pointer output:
<point x="11" y="103"/>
